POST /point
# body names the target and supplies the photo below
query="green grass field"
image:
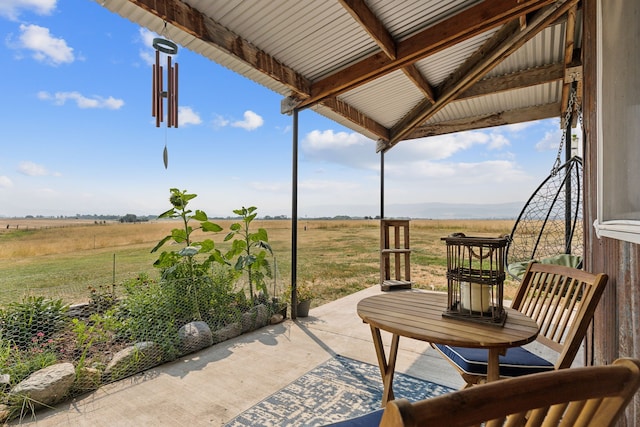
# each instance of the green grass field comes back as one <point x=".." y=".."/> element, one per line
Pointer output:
<point x="62" y="258"/>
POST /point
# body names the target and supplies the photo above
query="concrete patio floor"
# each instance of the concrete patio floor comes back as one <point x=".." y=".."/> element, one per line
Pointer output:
<point x="212" y="386"/>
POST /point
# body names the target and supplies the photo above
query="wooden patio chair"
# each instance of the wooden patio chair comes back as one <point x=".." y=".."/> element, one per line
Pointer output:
<point x="562" y="301"/>
<point x="592" y="396"/>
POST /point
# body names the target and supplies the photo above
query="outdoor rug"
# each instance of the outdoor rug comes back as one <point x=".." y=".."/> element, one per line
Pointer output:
<point x="336" y="390"/>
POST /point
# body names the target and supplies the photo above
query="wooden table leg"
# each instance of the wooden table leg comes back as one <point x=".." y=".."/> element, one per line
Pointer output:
<point x="387" y="368"/>
<point x="493" y="364"/>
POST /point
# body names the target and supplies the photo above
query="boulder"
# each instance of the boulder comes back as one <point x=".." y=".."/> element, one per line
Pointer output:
<point x="256" y="318"/>
<point x="47" y="386"/>
<point x="133" y="359"/>
<point x="88" y="379"/>
<point x="226" y="333"/>
<point x="276" y="318"/>
<point x="195" y="336"/>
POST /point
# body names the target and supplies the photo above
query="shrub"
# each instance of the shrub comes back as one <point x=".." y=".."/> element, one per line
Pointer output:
<point x="33" y="318"/>
<point x="147" y="315"/>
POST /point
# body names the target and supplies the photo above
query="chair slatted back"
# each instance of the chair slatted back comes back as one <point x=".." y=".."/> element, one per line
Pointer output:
<point x="592" y="396"/>
<point x="562" y="301"/>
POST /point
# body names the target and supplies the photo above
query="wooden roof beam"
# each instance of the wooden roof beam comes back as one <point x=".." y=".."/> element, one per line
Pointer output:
<point x="372" y="25"/>
<point x="378" y="32"/>
<point x="500" y="118"/>
<point x="568" y="59"/>
<point x="469" y="23"/>
<point x="518" y="80"/>
<point x="505" y="42"/>
<point x="192" y="21"/>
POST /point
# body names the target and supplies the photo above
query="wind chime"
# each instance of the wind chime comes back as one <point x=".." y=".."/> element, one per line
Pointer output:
<point x="159" y="92"/>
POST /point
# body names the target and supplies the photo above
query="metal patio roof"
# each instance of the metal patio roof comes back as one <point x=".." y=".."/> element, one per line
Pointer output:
<point x="392" y="70"/>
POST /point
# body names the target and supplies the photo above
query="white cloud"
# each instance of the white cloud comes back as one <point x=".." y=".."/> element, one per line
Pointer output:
<point x="186" y="116"/>
<point x="549" y="141"/>
<point x="45" y="48"/>
<point x="444" y="146"/>
<point x="219" y="122"/>
<point x="11" y="9"/>
<point x="60" y="98"/>
<point x="32" y="169"/>
<point x="344" y="148"/>
<point x="497" y="141"/>
<point x="147" y="53"/>
<point x="252" y="121"/>
<point x="5" y="182"/>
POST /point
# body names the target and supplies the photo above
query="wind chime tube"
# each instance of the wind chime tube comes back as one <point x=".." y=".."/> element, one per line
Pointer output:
<point x="153" y="92"/>
<point x="169" y="92"/>
<point x="157" y="100"/>
<point x="161" y="94"/>
<point x="175" y="94"/>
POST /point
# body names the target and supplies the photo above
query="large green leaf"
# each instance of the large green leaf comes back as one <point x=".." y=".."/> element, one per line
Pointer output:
<point x="200" y="215"/>
<point x="171" y="213"/>
<point x="207" y="245"/>
<point x="179" y="235"/>
<point x="210" y="226"/>
<point x="160" y="243"/>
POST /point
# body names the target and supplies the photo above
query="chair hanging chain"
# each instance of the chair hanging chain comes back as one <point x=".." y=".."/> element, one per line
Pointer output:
<point x="567" y="118"/>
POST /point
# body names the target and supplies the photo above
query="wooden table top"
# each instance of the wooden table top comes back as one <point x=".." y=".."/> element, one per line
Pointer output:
<point x="418" y="314"/>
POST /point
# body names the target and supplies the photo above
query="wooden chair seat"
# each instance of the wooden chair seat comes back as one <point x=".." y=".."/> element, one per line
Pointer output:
<point x="594" y="396"/>
<point x="562" y="301"/>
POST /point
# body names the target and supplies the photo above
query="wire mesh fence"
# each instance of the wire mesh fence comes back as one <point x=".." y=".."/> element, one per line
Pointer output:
<point x="52" y="349"/>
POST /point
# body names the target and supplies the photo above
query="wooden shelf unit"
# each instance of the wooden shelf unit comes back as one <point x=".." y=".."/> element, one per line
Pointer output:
<point x="395" y="254"/>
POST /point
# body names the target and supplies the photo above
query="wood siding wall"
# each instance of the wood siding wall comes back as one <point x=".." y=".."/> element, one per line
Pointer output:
<point x="616" y="331"/>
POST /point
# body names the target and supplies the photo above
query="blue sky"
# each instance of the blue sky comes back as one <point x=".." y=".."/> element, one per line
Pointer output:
<point x="78" y="137"/>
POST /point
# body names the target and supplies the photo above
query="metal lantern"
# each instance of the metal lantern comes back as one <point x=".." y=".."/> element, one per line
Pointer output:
<point x="475" y="278"/>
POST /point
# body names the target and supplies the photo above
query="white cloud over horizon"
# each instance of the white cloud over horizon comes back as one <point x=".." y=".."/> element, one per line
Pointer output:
<point x="60" y="98"/>
<point x="11" y="9"/>
<point x="186" y="117"/>
<point x="33" y="169"/>
<point x="252" y="121"/>
<point x="5" y="182"/>
<point x="43" y="46"/>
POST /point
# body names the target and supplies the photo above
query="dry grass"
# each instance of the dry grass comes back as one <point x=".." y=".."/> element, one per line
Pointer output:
<point x="336" y="257"/>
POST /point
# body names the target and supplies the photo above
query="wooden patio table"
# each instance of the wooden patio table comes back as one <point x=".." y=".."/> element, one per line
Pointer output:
<point x="418" y="315"/>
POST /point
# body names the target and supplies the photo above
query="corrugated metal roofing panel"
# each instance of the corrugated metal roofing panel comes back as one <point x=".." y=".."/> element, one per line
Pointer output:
<point x="545" y="48"/>
<point x="501" y="101"/>
<point x="322" y="37"/>
<point x="397" y="91"/>
<point x="404" y="18"/>
<point x="437" y="67"/>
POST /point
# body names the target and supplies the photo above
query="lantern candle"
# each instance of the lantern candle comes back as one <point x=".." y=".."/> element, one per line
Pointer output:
<point x="477" y="297"/>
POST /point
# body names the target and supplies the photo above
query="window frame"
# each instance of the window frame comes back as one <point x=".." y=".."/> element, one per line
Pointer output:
<point x="615" y="228"/>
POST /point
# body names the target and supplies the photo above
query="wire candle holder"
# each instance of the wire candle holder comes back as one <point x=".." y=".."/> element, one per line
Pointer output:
<point x="475" y="278"/>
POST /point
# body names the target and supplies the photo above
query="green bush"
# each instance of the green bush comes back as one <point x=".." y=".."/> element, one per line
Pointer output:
<point x="147" y="315"/>
<point x="34" y="319"/>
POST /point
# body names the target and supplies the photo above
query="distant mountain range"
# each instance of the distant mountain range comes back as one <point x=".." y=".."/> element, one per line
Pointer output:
<point x="425" y="210"/>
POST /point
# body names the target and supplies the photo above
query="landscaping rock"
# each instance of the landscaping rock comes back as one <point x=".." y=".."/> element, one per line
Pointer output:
<point x="226" y="333"/>
<point x="138" y="357"/>
<point x="256" y="318"/>
<point x="88" y="379"/>
<point x="276" y="318"/>
<point x="5" y="413"/>
<point x="79" y="311"/>
<point x="47" y="386"/>
<point x="195" y="336"/>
